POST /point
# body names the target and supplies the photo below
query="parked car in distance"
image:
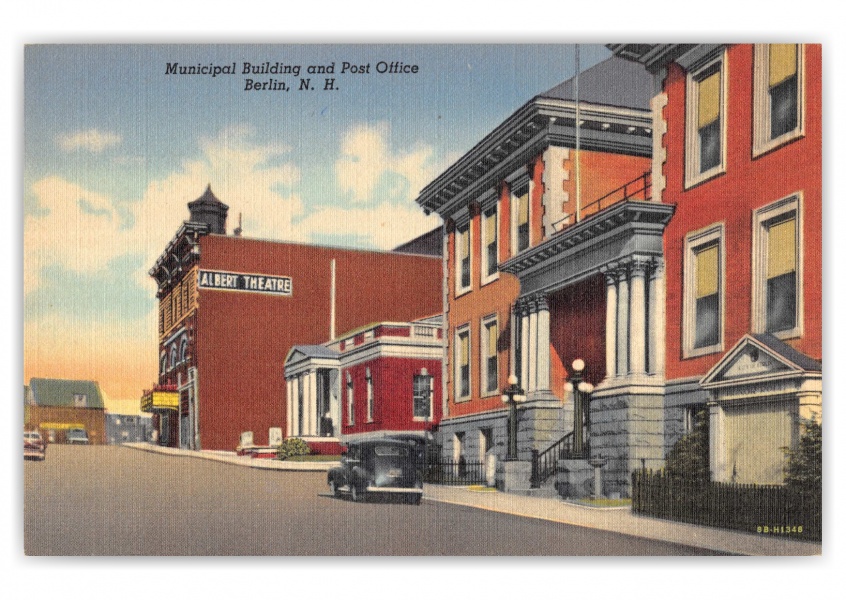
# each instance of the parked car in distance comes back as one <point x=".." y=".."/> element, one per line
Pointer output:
<point x="34" y="445"/>
<point x="378" y="467"/>
<point x="76" y="436"/>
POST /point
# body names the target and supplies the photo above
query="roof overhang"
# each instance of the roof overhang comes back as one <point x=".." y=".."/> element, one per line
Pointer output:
<point x="538" y="124"/>
<point x="625" y="230"/>
<point x="754" y="368"/>
<point x="651" y="56"/>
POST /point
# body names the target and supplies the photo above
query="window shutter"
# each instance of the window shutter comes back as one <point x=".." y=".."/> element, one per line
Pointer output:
<point x="707" y="272"/>
<point x="709" y="100"/>
<point x="782" y="62"/>
<point x="781" y="248"/>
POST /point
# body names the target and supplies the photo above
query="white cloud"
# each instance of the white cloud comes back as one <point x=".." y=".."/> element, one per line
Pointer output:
<point x="366" y="156"/>
<point x="384" y="226"/>
<point x="82" y="231"/>
<point x="92" y="140"/>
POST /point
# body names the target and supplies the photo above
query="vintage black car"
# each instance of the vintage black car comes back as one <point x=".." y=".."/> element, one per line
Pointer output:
<point x="379" y="467"/>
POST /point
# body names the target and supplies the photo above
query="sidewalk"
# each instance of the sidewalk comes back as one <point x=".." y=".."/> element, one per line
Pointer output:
<point x="555" y="510"/>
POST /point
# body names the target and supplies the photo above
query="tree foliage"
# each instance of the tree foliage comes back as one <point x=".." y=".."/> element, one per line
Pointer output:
<point x="689" y="458"/>
<point x="803" y="471"/>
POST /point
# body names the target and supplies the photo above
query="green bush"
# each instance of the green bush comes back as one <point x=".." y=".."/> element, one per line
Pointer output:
<point x="803" y="471"/>
<point x="688" y="459"/>
<point x="292" y="447"/>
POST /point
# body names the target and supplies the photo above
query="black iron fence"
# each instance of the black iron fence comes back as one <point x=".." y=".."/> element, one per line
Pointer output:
<point x="766" y="509"/>
<point x="451" y="472"/>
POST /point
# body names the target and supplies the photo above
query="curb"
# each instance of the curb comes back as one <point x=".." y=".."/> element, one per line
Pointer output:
<point x="253" y="463"/>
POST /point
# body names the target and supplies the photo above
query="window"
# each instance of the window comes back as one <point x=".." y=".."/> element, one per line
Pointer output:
<point x="183" y="351"/>
<point x="462" y="258"/>
<point x="485" y="442"/>
<point x="350" y="401"/>
<point x="80" y="400"/>
<point x="779" y="95"/>
<point x="777" y="268"/>
<point x="173" y="356"/>
<point x="490" y="372"/>
<point x="490" y="258"/>
<point x="521" y="217"/>
<point x="462" y="363"/>
<point x="705" y="122"/>
<point x="422" y="392"/>
<point x="703" y="294"/>
<point x="163" y="362"/>
<point x="369" y="379"/>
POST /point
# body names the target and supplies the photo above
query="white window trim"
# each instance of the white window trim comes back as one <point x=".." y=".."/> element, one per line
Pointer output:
<point x="483" y="272"/>
<point x="457" y="358"/>
<point x="513" y="185"/>
<point x="761" y="141"/>
<point x="370" y="402"/>
<point x="459" y="290"/>
<point x="431" y="399"/>
<point x="483" y="356"/>
<point x="693" y="241"/>
<point x="692" y="176"/>
<point x="792" y="203"/>
<point x="350" y="401"/>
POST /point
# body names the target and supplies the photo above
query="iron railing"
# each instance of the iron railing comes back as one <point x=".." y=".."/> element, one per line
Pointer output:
<point x="545" y="464"/>
<point x="768" y="509"/>
<point x="636" y="190"/>
<point x="451" y="472"/>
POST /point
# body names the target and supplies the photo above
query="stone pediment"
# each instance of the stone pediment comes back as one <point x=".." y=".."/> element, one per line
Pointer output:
<point x="759" y="358"/>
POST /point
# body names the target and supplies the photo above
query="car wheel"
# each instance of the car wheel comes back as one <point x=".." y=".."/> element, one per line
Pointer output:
<point x="355" y="493"/>
<point x="333" y="487"/>
<point x="417" y="498"/>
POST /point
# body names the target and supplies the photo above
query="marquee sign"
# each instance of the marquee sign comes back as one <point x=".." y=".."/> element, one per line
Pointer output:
<point x="245" y="282"/>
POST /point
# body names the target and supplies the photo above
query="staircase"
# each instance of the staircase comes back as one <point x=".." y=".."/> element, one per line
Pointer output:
<point x="545" y="464"/>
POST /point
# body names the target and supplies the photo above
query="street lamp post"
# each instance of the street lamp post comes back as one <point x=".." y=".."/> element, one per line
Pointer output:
<point x="581" y="391"/>
<point x="511" y="396"/>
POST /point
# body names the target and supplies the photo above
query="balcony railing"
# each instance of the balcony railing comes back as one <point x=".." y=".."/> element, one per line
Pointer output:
<point x="636" y="190"/>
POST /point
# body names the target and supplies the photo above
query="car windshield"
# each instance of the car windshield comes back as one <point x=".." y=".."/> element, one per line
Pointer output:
<point x="391" y="451"/>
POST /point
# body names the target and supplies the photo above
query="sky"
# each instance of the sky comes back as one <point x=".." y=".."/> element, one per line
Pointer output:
<point x="117" y="142"/>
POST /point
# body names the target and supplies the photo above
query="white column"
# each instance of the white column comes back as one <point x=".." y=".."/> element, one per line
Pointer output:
<point x="288" y="412"/>
<point x="533" y="347"/>
<point x="657" y="319"/>
<point x="610" y="326"/>
<point x="295" y="407"/>
<point x="716" y="426"/>
<point x="543" y="344"/>
<point x="524" y="347"/>
<point x="623" y="323"/>
<point x="637" y="318"/>
<point x="311" y="411"/>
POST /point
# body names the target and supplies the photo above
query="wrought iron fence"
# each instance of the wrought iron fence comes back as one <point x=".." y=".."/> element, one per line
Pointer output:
<point x="451" y="472"/>
<point x="768" y="509"/>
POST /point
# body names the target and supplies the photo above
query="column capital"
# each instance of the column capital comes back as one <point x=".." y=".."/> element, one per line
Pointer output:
<point x="639" y="265"/>
<point x="656" y="267"/>
<point x="541" y="302"/>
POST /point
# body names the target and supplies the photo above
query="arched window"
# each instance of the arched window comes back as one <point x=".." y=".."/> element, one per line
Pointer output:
<point x="183" y="349"/>
<point x="173" y="356"/>
<point x="163" y="362"/>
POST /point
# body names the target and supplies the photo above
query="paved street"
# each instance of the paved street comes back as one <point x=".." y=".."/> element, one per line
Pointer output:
<point x="106" y="500"/>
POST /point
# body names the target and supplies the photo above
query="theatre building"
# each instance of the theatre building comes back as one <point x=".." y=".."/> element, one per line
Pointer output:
<point x="554" y="253"/>
<point x="741" y="160"/>
<point x="231" y="308"/>
<point x="379" y="380"/>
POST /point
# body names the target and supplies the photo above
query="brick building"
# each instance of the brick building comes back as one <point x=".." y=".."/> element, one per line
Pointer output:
<point x="52" y="406"/>
<point x="376" y="381"/>
<point x="231" y="308"/>
<point x="554" y="253"/>
<point x="740" y="156"/>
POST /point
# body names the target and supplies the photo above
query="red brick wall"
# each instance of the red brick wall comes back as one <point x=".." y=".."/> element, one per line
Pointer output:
<point x="392" y="379"/>
<point x="747" y="184"/>
<point x="577" y="330"/>
<point x="242" y="338"/>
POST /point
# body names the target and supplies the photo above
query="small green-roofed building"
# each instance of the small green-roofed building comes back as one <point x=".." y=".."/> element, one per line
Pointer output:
<point x="54" y="406"/>
<point x="66" y="392"/>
